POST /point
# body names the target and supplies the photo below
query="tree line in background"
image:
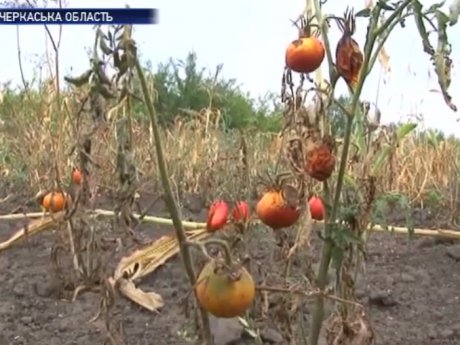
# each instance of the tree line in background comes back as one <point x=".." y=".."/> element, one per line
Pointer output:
<point x="184" y="89"/>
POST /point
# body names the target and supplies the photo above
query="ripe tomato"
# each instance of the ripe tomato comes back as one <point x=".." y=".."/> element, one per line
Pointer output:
<point x="241" y="211"/>
<point x="305" y="54"/>
<point x="76" y="176"/>
<point x="217" y="215"/>
<point x="222" y="292"/>
<point x="274" y="210"/>
<point x="317" y="209"/>
<point x="55" y="201"/>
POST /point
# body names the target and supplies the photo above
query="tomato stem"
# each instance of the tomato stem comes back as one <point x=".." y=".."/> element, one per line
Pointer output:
<point x="169" y="200"/>
<point x="218" y="242"/>
<point x="328" y="246"/>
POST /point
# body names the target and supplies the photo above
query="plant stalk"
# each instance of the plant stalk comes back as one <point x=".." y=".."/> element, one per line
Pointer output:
<point x="171" y="204"/>
<point x="326" y="252"/>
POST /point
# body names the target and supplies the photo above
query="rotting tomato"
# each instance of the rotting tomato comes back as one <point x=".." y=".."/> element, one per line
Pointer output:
<point x="305" y="54"/>
<point x="224" y="292"/>
<point x="320" y="160"/>
<point x="275" y="210"/>
<point x="348" y="55"/>
<point x="55" y="201"/>
<point x="241" y="211"/>
<point x="317" y="209"/>
<point x="217" y="215"/>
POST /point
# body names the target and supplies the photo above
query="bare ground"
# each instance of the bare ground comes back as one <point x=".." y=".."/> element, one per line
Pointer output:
<point x="411" y="290"/>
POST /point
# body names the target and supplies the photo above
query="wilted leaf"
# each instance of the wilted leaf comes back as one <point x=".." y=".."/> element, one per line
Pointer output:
<point x="419" y="22"/>
<point x="440" y="56"/>
<point x="404" y="130"/>
<point x="149" y="300"/>
<point x="442" y="61"/>
<point x="104" y="47"/>
<point x="81" y="80"/>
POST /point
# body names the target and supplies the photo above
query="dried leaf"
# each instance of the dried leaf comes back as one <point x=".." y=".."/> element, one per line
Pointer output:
<point x="32" y="228"/>
<point x="149" y="300"/>
<point x="384" y="60"/>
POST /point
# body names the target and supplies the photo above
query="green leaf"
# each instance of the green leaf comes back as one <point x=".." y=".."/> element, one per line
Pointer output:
<point x="343" y="235"/>
<point x="405" y="129"/>
<point x="366" y="12"/>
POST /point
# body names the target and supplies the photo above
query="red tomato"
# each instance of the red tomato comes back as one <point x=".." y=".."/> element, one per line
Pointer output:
<point x="217" y="215"/>
<point x="317" y="209"/>
<point x="241" y="211"/>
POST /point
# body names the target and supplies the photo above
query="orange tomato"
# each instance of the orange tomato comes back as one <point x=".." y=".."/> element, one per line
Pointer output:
<point x="222" y="292"/>
<point x="317" y="209"/>
<point x="76" y="176"/>
<point x="305" y="54"/>
<point x="241" y="211"/>
<point x="217" y="215"/>
<point x="274" y="210"/>
<point x="55" y="201"/>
